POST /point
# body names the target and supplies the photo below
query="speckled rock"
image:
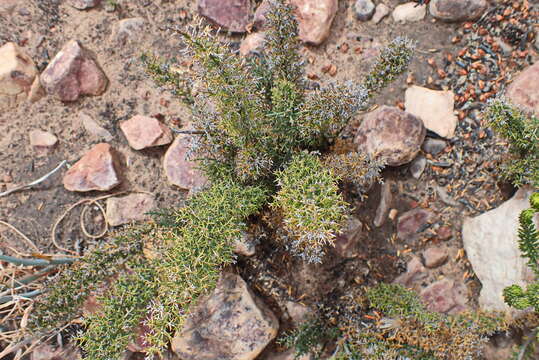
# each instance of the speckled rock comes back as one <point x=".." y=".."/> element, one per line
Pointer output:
<point x="17" y="73"/>
<point x="524" y="90"/>
<point x="433" y="146"/>
<point x="96" y="170"/>
<point x="230" y="324"/>
<point x="458" y="10"/>
<point x="445" y="296"/>
<point x="259" y="21"/>
<point x="364" y="9"/>
<point x="491" y="244"/>
<point x="229" y="15"/>
<point x="84" y="4"/>
<point x="415" y="271"/>
<point x="143" y="131"/>
<point x="418" y="166"/>
<point x="435" y="256"/>
<point x="42" y="141"/>
<point x="409" y="12"/>
<point x="434" y="107"/>
<point x="314" y="19"/>
<point x="127" y="30"/>
<point x="73" y="72"/>
<point x="129" y="208"/>
<point x="180" y="170"/>
<point x="411" y="222"/>
<point x="391" y="134"/>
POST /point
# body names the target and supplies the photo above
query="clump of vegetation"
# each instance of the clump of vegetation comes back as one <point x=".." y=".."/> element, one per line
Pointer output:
<point x="257" y="132"/>
<point x="528" y="241"/>
<point x="402" y="328"/>
<point x="309" y="338"/>
<point x="312" y="207"/>
<point x="521" y="130"/>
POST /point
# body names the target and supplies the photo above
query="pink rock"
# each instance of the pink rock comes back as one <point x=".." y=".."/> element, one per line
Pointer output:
<point x="346" y="242"/>
<point x="94" y="171"/>
<point x="143" y="131"/>
<point x="36" y="91"/>
<point x="181" y="171"/>
<point x="435" y="256"/>
<point x="411" y="222"/>
<point x="458" y="10"/>
<point x="414" y="271"/>
<point x="260" y="14"/>
<point x="230" y="15"/>
<point x="444" y="296"/>
<point x="127" y="30"/>
<point x="314" y="19"/>
<point x="84" y="4"/>
<point x="130" y="208"/>
<point x="72" y="73"/>
<point x="391" y="134"/>
<point x="524" y="90"/>
<point x="42" y="141"/>
<point x="17" y="73"/>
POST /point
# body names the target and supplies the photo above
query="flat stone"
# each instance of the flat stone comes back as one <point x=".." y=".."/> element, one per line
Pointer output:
<point x="391" y="134"/>
<point x="415" y="271"/>
<point x="253" y="43"/>
<point x="347" y="241"/>
<point x="524" y="90"/>
<point x="229" y="15"/>
<point x="444" y="296"/>
<point x="42" y="141"/>
<point x="435" y="108"/>
<point x="418" y="166"/>
<point x="180" y="170"/>
<point x="230" y="324"/>
<point x="314" y="19"/>
<point x="435" y="256"/>
<point x="127" y="30"/>
<point x="143" y="132"/>
<point x="381" y="11"/>
<point x="382" y="211"/>
<point x="72" y="73"/>
<point x="491" y="244"/>
<point x="17" y="73"/>
<point x="433" y="146"/>
<point x="84" y="4"/>
<point x="130" y="208"/>
<point x="458" y="10"/>
<point x="36" y="91"/>
<point x="444" y="232"/>
<point x="96" y="170"/>
<point x="409" y="12"/>
<point x="364" y="9"/>
<point x="411" y="222"/>
<point x="93" y="128"/>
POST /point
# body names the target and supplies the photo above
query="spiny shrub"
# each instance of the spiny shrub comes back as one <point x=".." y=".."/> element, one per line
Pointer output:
<point x="252" y="120"/>
<point x="528" y="241"/>
<point x="312" y="207"/>
<point x="405" y="329"/>
<point x="309" y="338"/>
<point x="521" y="130"/>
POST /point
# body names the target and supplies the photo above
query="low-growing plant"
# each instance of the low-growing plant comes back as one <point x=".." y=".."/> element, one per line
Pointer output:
<point x="309" y="338"/>
<point x="521" y="130"/>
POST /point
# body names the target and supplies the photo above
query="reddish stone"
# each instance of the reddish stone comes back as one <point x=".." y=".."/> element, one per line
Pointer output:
<point x="458" y="10"/>
<point x="444" y="296"/>
<point x="414" y="271"/>
<point x="143" y="131"/>
<point x="230" y="15"/>
<point x="524" y="90"/>
<point x="42" y="141"/>
<point x="444" y="232"/>
<point x="391" y="134"/>
<point x="126" y="209"/>
<point x="346" y="242"/>
<point x="411" y="222"/>
<point x="94" y="171"/>
<point x="435" y="256"/>
<point x="72" y="73"/>
<point x="180" y="170"/>
<point x="314" y="19"/>
<point x="17" y="73"/>
<point x="260" y="14"/>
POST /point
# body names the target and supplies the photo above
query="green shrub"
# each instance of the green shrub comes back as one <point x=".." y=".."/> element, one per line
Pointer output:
<point x="522" y="132"/>
<point x="312" y="207"/>
<point x="309" y="338"/>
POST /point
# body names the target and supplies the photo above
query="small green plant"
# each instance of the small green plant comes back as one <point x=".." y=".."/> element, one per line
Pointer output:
<point x="522" y="132"/>
<point x="528" y="241"/>
<point x="403" y="328"/>
<point x="309" y="338"/>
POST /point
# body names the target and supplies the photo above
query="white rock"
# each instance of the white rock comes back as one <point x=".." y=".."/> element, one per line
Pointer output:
<point x="435" y="108"/>
<point x="93" y="128"/>
<point x="491" y="244"/>
<point x="127" y="30"/>
<point x="381" y="11"/>
<point x="409" y="12"/>
<point x="17" y="73"/>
